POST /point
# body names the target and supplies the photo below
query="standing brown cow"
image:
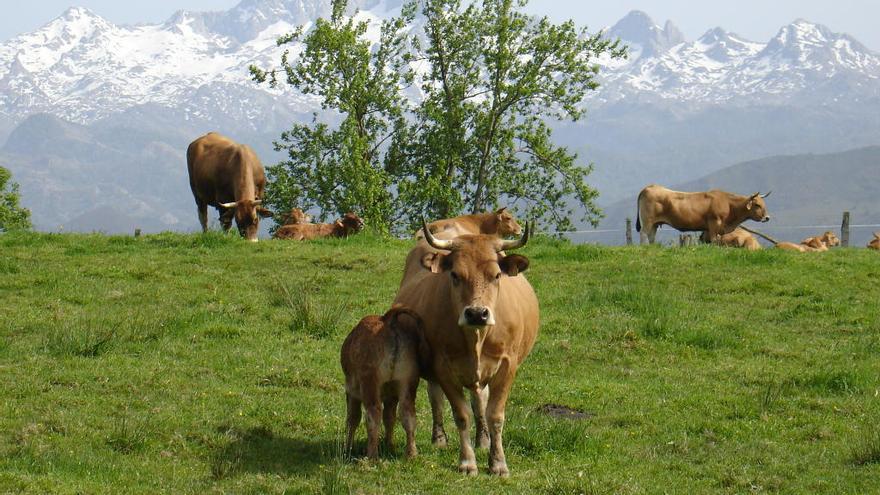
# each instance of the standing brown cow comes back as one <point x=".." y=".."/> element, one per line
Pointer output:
<point x="713" y="212"/>
<point x="229" y="177"/>
<point x="481" y="321"/>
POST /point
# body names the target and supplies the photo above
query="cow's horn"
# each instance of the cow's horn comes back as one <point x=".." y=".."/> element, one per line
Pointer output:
<point x="258" y="201"/>
<point x="768" y="194"/>
<point x="510" y="245"/>
<point x="435" y="243"/>
<point x="228" y="205"/>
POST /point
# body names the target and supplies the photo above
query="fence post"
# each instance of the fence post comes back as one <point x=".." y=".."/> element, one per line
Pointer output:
<point x="629" y="232"/>
<point x="844" y="230"/>
<point x="137" y="232"/>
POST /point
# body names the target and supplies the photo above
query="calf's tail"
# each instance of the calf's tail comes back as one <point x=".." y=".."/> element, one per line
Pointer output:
<point x="638" y="210"/>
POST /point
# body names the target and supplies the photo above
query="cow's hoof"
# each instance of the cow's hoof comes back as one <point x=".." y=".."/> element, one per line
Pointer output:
<point x="438" y="438"/>
<point x="411" y="452"/>
<point x="468" y="467"/>
<point x="500" y="469"/>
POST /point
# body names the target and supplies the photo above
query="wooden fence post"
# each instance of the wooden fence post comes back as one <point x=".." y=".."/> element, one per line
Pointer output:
<point x="629" y="232"/>
<point x="844" y="230"/>
<point x="137" y="232"/>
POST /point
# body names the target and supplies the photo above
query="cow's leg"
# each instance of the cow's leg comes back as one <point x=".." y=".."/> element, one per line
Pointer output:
<point x="408" y="416"/>
<point x="203" y="215"/>
<point x="652" y="232"/>
<point x="353" y="420"/>
<point x="373" y="406"/>
<point x="438" y="403"/>
<point x="389" y="416"/>
<point x="478" y="404"/>
<point x="467" y="462"/>
<point x="499" y="389"/>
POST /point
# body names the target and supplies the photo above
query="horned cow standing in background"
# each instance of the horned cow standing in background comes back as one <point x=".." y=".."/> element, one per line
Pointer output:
<point x="229" y="177"/>
<point x="713" y="212"/>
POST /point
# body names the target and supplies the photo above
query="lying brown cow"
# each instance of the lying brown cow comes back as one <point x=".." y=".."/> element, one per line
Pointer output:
<point x="828" y="239"/>
<point x="295" y="216"/>
<point x="714" y="212"/>
<point x="381" y="361"/>
<point x="500" y="223"/>
<point x="229" y="177"/>
<point x="344" y="227"/>
<point x="481" y="321"/>
<point x="739" y="238"/>
<point x="875" y="242"/>
<point x="814" y="246"/>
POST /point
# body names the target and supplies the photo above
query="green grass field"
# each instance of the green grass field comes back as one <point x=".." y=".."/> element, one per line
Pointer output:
<point x="205" y="364"/>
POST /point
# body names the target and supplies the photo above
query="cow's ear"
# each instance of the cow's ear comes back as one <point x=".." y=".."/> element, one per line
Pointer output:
<point x="435" y="262"/>
<point x="499" y="211"/>
<point x="513" y="264"/>
<point x="264" y="212"/>
<point x="750" y="204"/>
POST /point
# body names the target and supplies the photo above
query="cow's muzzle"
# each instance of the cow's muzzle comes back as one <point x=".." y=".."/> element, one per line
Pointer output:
<point x="765" y="219"/>
<point x="476" y="316"/>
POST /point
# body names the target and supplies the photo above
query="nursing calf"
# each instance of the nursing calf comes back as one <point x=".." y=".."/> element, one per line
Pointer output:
<point x="381" y="360"/>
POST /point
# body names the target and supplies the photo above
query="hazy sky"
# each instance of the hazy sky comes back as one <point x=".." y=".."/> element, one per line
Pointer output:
<point x="755" y="19"/>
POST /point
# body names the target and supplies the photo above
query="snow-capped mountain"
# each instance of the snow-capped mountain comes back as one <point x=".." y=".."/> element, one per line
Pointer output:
<point x="83" y="68"/>
<point x="96" y="116"/>
<point x="803" y="60"/>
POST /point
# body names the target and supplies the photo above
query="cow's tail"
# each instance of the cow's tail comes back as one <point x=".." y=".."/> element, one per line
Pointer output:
<point x="392" y="315"/>
<point x="760" y="234"/>
<point x="638" y="211"/>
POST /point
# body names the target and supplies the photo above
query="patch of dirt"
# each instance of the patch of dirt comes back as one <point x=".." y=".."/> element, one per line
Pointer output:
<point x="564" y="412"/>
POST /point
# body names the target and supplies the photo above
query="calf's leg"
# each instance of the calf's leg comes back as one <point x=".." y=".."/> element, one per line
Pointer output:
<point x="408" y="417"/>
<point x="389" y="415"/>
<point x="353" y="420"/>
<point x="373" y="406"/>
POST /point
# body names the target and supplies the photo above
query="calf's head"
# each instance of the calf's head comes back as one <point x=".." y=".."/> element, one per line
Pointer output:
<point x="247" y="213"/>
<point x="351" y="223"/>
<point x="757" y="209"/>
<point x="507" y="225"/>
<point x="475" y="265"/>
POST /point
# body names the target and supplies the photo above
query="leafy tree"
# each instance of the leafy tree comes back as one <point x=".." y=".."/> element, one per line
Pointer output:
<point x="496" y="76"/>
<point x="490" y="78"/>
<point x="340" y="168"/>
<point x="12" y="215"/>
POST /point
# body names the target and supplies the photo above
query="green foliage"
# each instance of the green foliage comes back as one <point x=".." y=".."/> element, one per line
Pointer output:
<point x="339" y="169"/>
<point x="12" y="215"/>
<point x="478" y="137"/>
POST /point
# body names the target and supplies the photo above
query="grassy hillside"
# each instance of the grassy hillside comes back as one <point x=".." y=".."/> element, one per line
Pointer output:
<point x="194" y="364"/>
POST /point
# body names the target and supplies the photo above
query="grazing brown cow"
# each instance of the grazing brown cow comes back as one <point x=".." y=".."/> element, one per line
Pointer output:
<point x="381" y="360"/>
<point x="829" y="239"/>
<point x="875" y="242"/>
<point x="343" y="227"/>
<point x="229" y="177"/>
<point x="713" y="212"/>
<point x="500" y="223"/>
<point x="481" y="321"/>
<point x="739" y="238"/>
<point x="295" y="216"/>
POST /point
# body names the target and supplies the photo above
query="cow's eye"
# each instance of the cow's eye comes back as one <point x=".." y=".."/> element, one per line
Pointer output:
<point x="497" y="275"/>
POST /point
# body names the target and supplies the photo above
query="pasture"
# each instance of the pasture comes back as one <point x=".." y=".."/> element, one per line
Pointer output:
<point x="206" y="364"/>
